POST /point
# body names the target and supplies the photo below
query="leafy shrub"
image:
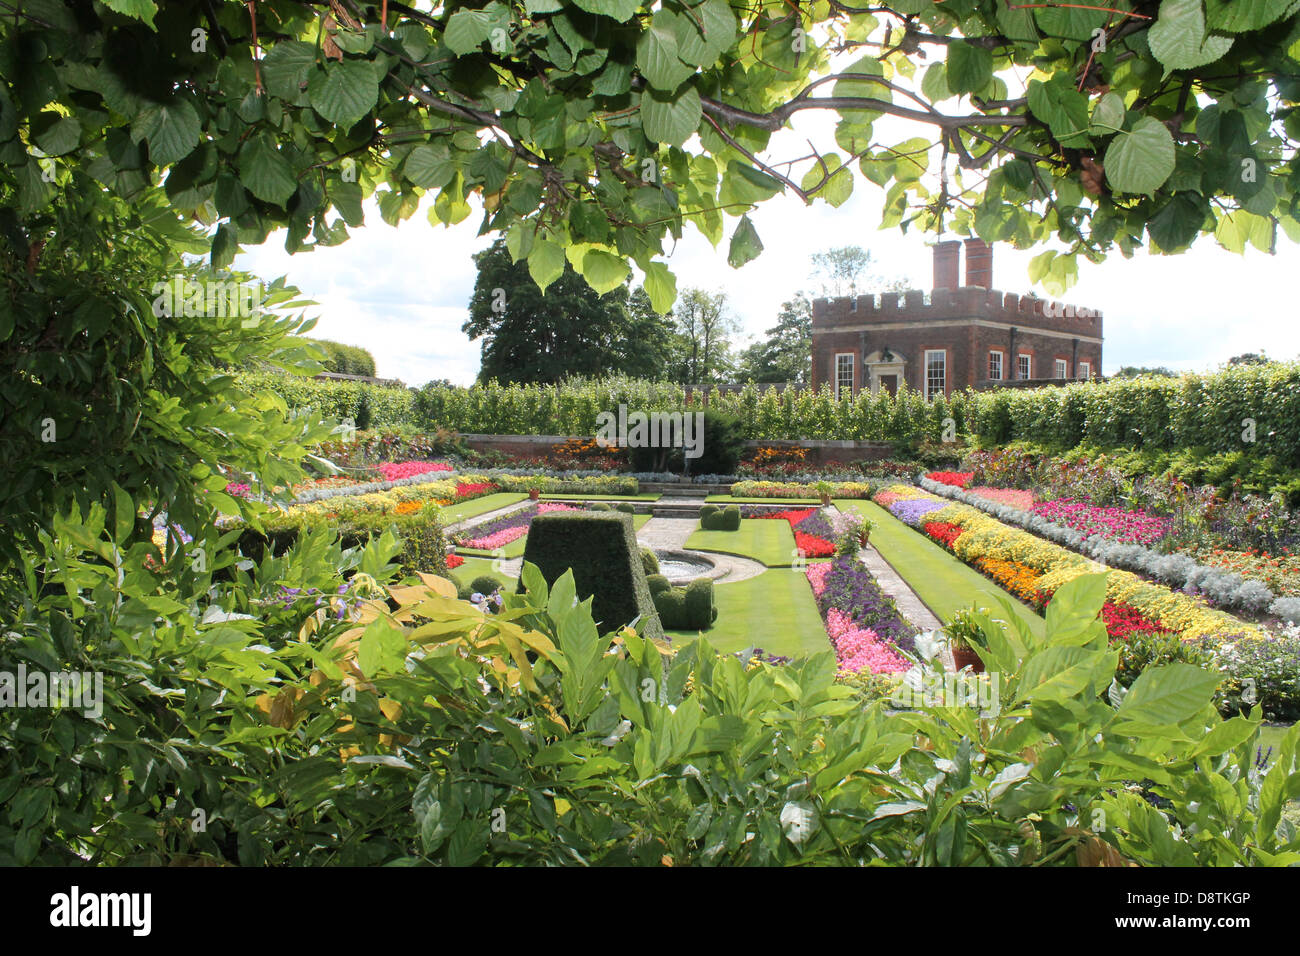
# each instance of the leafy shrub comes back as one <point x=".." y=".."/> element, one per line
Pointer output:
<point x="343" y="359"/>
<point x="1143" y="649"/>
<point x="423" y="546"/>
<point x="649" y="561"/>
<point x="728" y="519"/>
<point x="390" y="406"/>
<point x="599" y="506"/>
<point x="485" y="584"/>
<point x="706" y="513"/>
<point x="601" y="551"/>
<point x="657" y="583"/>
<point x="1264" y="672"/>
<point x="670" y="605"/>
<point x="626" y="507"/>
<point x="700" y="609"/>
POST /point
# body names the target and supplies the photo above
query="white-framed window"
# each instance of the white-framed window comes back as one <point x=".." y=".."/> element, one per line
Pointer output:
<point x="936" y="372"/>
<point x="1024" y="365"/>
<point x="1085" y="370"/>
<point x="843" y="373"/>
<point x="1061" y="367"/>
<point x="853" y="304"/>
<point x="995" y="364"/>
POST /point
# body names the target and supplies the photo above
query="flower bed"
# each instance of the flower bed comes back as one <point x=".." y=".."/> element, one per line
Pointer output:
<point x="984" y="537"/>
<point x="1280" y="573"/>
<point x="1013" y="497"/>
<point x="812" y="532"/>
<point x="943" y="531"/>
<point x="958" y="479"/>
<point x="849" y="599"/>
<point x="499" y="532"/>
<point x="393" y="471"/>
<point x="1135" y="527"/>
<point x="779" y="489"/>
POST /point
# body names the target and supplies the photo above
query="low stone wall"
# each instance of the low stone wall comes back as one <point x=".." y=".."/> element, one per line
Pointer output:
<point x="820" y="451"/>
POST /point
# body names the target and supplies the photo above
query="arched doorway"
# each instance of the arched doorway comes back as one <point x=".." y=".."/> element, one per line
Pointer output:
<point x="885" y="369"/>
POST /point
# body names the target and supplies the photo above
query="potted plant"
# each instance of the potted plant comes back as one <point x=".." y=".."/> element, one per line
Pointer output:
<point x="964" y="636"/>
<point x="534" y="490"/>
<point x="823" y="489"/>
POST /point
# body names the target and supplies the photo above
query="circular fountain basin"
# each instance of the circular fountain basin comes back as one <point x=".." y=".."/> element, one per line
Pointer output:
<point x="681" y="567"/>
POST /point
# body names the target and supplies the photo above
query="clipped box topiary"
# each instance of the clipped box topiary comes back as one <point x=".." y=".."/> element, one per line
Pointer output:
<point x="602" y="551"/>
<point x="626" y="507"/>
<point x="671" y="607"/>
<point x="700" y="610"/>
<point x="649" y="561"/>
<point x="730" y="518"/>
<point x="657" y="583"/>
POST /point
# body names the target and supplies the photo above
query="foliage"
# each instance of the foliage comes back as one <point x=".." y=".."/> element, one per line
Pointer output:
<point x="724" y="519"/>
<point x="423" y="546"/>
<point x="390" y="407"/>
<point x="343" y="359"/>
<point x="785" y="355"/>
<point x="702" y="347"/>
<point x="528" y="336"/>
<point x="601" y="551"/>
<point x="649" y="562"/>
<point x="686" y="609"/>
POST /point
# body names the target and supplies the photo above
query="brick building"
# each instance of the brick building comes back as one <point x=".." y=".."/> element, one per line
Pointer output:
<point x="954" y="336"/>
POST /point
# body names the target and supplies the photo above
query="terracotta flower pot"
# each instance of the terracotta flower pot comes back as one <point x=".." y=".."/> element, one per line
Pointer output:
<point x="534" y="494"/>
<point x="963" y="656"/>
<point x="826" y="499"/>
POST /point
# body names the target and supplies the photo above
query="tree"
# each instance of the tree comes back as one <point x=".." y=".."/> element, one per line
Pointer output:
<point x="1133" y="371"/>
<point x="1250" y="358"/>
<point x="594" y="133"/>
<point x="570" y="330"/>
<point x="786" y="354"/>
<point x="851" y="270"/>
<point x="703" y="350"/>
<point x="344" y="359"/>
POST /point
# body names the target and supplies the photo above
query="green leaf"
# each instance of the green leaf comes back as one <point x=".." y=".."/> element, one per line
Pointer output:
<point x="702" y="47"/>
<point x="838" y="180"/>
<point x="60" y="138"/>
<point x="172" y="131"/>
<point x="123" y="514"/>
<point x="669" y="118"/>
<point x="467" y="30"/>
<point x="546" y="262"/>
<point x="661" y="286"/>
<point x="934" y="84"/>
<point x="1178" y="38"/>
<point x="136" y="9"/>
<point x="1169" y="694"/>
<point x="620" y="10"/>
<point x="656" y="54"/>
<point x="745" y="244"/>
<point x="1108" y="115"/>
<point x="451" y="206"/>
<point x="429" y="165"/>
<point x="1239" y="16"/>
<point x="1063" y="108"/>
<point x="264" y="172"/>
<point x="286" y="67"/>
<point x="1141" y="160"/>
<point x="343" y="92"/>
<point x="969" y="67"/>
<point x="1239" y="227"/>
<point x="603" y="271"/>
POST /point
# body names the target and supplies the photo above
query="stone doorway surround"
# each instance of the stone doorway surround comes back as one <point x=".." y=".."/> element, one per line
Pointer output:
<point x="876" y="366"/>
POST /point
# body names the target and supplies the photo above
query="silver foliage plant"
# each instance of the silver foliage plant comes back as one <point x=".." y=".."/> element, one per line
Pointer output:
<point x="1223" y="588"/>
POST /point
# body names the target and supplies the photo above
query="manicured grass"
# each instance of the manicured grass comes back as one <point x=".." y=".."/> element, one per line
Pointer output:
<point x="473" y="567"/>
<point x="1272" y="736"/>
<point x="644" y="496"/>
<point x="938" y="578"/>
<point x="767" y="540"/>
<point x="479" y="506"/>
<point x="775" y="611"/>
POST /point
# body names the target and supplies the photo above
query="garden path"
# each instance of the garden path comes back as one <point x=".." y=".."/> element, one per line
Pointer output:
<point x="670" y="534"/>
<point x="911" y="606"/>
<point x="484" y="518"/>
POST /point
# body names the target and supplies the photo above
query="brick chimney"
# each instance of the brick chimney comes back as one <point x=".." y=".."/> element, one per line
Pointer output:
<point x="979" y="263"/>
<point x="947" y="256"/>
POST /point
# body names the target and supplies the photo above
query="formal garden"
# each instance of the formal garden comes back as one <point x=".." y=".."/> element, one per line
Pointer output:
<point x="250" y="616"/>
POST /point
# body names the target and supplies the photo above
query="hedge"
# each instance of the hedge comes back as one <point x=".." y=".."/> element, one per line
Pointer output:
<point x="389" y="406"/>
<point x="1251" y="408"/>
<point x="602" y="551"/>
<point x="424" y="547"/>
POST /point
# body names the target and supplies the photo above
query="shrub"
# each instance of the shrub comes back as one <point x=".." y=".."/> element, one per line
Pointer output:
<point x="485" y="584"/>
<point x="602" y="551"/>
<point x="626" y="507"/>
<point x="657" y="583"/>
<point x="1264" y="672"/>
<point x="1143" y="649"/>
<point x="599" y="506"/>
<point x="728" y="519"/>
<point x="706" y="512"/>
<point x="649" y="561"/>
<point x="700" y="609"/>
<point x="424" y="546"/>
<point x="670" y="604"/>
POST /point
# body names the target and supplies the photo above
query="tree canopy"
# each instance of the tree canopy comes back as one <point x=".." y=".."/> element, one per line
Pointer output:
<point x="594" y="131"/>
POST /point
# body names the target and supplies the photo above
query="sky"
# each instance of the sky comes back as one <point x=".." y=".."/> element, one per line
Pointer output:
<point x="402" y="291"/>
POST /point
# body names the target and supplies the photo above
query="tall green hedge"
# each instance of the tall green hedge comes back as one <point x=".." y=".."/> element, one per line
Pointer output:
<point x="601" y="549"/>
<point x="1251" y="408"/>
<point x="424" y="546"/>
<point x="389" y="406"/>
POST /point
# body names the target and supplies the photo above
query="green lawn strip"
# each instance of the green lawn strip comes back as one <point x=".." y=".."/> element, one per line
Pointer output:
<point x="775" y="611"/>
<point x="473" y="567"/>
<point x="516" y="547"/>
<point x="1271" y="736"/>
<point x="479" y="506"/>
<point x="943" y="582"/>
<point x="766" y="540"/>
<point x="729" y="500"/>
<point x="644" y="496"/>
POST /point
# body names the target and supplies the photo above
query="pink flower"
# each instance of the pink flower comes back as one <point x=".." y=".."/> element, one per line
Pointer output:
<point x="548" y="506"/>
<point x="817" y="576"/>
<point x="860" y="649"/>
<point x="394" y="470"/>
<point x="1024" y="500"/>
<point x="496" y="540"/>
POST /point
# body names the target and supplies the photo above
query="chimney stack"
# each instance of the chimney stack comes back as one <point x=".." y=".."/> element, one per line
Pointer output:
<point x="947" y="257"/>
<point x="979" y="263"/>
